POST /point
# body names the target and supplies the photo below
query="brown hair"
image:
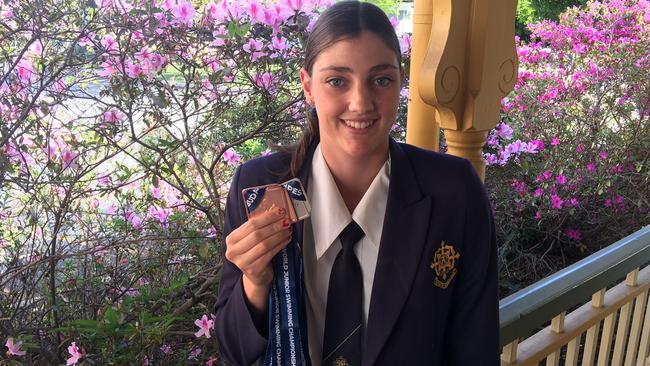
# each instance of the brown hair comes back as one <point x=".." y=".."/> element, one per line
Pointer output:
<point x="345" y="19"/>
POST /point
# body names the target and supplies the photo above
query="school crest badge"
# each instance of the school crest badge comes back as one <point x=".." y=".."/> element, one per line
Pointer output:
<point x="340" y="361"/>
<point x="444" y="264"/>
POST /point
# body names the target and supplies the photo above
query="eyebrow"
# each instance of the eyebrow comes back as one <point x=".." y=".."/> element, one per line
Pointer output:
<point x="380" y="67"/>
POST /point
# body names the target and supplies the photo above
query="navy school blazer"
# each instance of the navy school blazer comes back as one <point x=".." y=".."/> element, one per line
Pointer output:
<point x="435" y="295"/>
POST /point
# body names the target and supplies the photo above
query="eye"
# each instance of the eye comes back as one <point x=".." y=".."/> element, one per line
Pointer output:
<point x="335" y="82"/>
<point x="383" y="81"/>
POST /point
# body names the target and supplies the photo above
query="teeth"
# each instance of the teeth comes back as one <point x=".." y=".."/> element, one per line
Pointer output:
<point x="358" y="124"/>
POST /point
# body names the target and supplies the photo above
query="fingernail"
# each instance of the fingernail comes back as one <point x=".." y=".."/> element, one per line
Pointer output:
<point x="286" y="223"/>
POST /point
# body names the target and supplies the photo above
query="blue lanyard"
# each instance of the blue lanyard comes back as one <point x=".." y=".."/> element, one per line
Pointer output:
<point x="286" y="342"/>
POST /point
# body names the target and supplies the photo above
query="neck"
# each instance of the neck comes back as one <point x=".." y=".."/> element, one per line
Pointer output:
<point x="354" y="176"/>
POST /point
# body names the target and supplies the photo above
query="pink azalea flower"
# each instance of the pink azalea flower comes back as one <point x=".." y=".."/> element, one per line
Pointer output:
<point x="538" y="192"/>
<point x="166" y="349"/>
<point x="265" y="81"/>
<point x="156" y="192"/>
<point x="555" y="141"/>
<point x="132" y="70"/>
<point x="184" y="11"/>
<point x="572" y="202"/>
<point x="278" y="43"/>
<point x="69" y="159"/>
<point x="539" y="145"/>
<point x="490" y="159"/>
<point x="14" y="348"/>
<point x="25" y="71"/>
<point x="405" y="44"/>
<point x="211" y="361"/>
<point x="607" y="203"/>
<point x="580" y="148"/>
<point x="556" y="201"/>
<point x="573" y="234"/>
<point x="561" y="179"/>
<point x="266" y="152"/>
<point x="603" y="155"/>
<point x="591" y="167"/>
<point x="538" y="215"/>
<point x="108" y="69"/>
<point x="393" y="21"/>
<point x="231" y="156"/>
<point x="134" y="220"/>
<point x="109" y="43"/>
<point x="204" y="325"/>
<point x="75" y="355"/>
<point x="159" y="214"/>
<point x="195" y="352"/>
<point x="113" y="116"/>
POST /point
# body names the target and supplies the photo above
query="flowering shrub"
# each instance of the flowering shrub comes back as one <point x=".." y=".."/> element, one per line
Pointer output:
<point x="121" y="125"/>
<point x="569" y="165"/>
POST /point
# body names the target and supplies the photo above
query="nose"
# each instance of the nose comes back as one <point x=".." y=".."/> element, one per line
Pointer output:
<point x="361" y="100"/>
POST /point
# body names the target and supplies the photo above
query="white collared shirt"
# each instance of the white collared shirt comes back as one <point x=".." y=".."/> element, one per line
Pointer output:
<point x="329" y="216"/>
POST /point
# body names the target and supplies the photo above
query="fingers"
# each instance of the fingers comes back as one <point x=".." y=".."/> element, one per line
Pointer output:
<point x="262" y="252"/>
<point x="254" y="223"/>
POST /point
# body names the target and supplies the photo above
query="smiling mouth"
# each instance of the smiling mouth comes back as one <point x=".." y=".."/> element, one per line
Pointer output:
<point x="359" y="125"/>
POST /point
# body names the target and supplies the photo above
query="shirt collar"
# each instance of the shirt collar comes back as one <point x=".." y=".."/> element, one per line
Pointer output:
<point x="329" y="214"/>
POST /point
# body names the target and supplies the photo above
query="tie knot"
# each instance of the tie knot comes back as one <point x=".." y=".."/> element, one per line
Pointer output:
<point x="351" y="234"/>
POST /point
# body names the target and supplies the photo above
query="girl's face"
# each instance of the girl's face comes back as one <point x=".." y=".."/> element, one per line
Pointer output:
<point x="354" y="85"/>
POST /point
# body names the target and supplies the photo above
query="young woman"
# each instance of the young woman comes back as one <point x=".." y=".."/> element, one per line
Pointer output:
<point x="417" y="285"/>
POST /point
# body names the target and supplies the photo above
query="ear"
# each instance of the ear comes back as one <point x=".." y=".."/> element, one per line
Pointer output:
<point x="305" y="81"/>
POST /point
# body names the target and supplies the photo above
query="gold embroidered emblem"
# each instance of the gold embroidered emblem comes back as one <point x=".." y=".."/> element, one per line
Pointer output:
<point x="444" y="264"/>
<point x="340" y="361"/>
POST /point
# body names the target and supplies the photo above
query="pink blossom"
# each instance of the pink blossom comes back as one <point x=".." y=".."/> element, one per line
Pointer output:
<point x="108" y="69"/>
<point x="490" y="159"/>
<point x="591" y="167"/>
<point x="109" y="43"/>
<point x="211" y="361"/>
<point x="544" y="176"/>
<point x="254" y="47"/>
<point x="538" y="215"/>
<point x="539" y="145"/>
<point x="538" y="192"/>
<point x="556" y="201"/>
<point x="555" y="141"/>
<point x="113" y="116"/>
<point x="143" y="54"/>
<point x="266" y="152"/>
<point x="25" y="71"/>
<point x="560" y="179"/>
<point x="204" y="325"/>
<point x="405" y="44"/>
<point x="69" y="159"/>
<point x="159" y="214"/>
<point x="607" y="203"/>
<point x="132" y="70"/>
<point x="75" y="355"/>
<point x="265" y="81"/>
<point x="231" y="156"/>
<point x="134" y="220"/>
<point x="184" y="11"/>
<point x="603" y="155"/>
<point x="618" y="199"/>
<point x="580" y="148"/>
<point x="195" y="352"/>
<point x="504" y="131"/>
<point x="572" y="202"/>
<point x="166" y="349"/>
<point x="14" y="348"/>
<point x="573" y="234"/>
<point x="394" y="21"/>
<point x="519" y="187"/>
<point x="255" y="11"/>
<point x="278" y="43"/>
<point x="156" y="192"/>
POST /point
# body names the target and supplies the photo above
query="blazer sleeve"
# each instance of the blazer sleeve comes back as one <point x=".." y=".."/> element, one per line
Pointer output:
<point x="240" y="341"/>
<point x="473" y="330"/>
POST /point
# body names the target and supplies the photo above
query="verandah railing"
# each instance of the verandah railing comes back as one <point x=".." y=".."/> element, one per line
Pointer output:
<point x="612" y="329"/>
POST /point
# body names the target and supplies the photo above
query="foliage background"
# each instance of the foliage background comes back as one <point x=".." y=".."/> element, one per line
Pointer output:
<point x="121" y="124"/>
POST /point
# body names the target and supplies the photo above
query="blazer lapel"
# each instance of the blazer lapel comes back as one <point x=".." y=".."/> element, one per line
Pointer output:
<point x="405" y="230"/>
